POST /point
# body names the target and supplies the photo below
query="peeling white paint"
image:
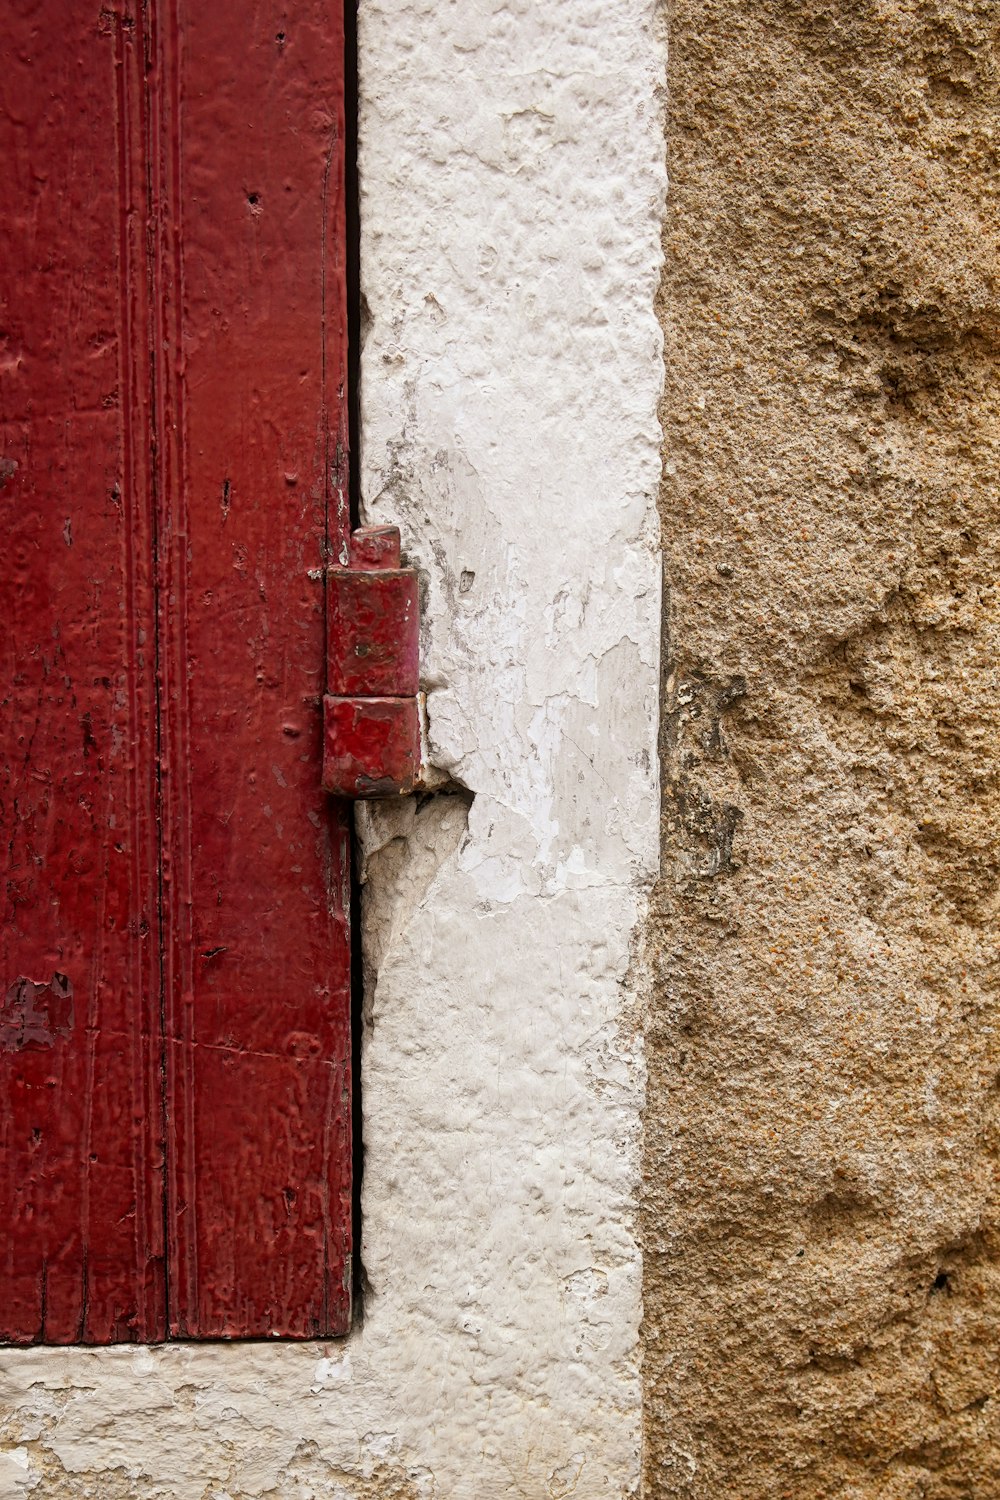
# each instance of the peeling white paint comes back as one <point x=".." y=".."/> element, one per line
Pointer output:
<point x="512" y="180"/>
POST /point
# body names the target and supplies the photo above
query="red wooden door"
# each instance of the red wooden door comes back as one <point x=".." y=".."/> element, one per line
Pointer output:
<point x="174" y="955"/>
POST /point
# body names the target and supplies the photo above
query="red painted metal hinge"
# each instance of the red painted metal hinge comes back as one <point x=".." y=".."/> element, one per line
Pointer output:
<point x="371" y="731"/>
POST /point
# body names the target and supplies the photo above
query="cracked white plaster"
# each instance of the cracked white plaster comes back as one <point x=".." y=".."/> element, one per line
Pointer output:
<point x="512" y="174"/>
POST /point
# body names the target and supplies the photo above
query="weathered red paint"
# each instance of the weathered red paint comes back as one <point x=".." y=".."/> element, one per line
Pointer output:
<point x="371" y="746"/>
<point x="373" y="633"/>
<point x="375" y="547"/>
<point x="81" y="1203"/>
<point x="174" y="949"/>
<point x="372" y="722"/>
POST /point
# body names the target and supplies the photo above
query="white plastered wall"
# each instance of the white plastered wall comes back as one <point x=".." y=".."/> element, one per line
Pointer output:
<point x="512" y="165"/>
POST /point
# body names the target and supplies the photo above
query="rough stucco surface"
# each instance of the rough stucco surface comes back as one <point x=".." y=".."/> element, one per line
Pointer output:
<point x="512" y="166"/>
<point x="822" y="1247"/>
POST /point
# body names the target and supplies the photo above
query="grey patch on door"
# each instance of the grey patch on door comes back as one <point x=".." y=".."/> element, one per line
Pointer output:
<point x="34" y="1014"/>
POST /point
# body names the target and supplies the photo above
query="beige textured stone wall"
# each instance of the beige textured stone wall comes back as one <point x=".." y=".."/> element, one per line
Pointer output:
<point x="823" y="1128"/>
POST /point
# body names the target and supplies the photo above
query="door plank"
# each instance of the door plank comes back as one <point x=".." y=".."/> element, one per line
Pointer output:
<point x="81" y="1191"/>
<point x="249" y="281"/>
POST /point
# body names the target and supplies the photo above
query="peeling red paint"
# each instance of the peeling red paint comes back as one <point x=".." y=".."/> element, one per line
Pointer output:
<point x="376" y="547"/>
<point x="372" y="746"/>
<point x="34" y="1014"/>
